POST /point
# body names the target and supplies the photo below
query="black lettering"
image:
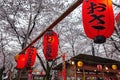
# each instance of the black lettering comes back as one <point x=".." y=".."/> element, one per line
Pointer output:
<point x="98" y="18"/>
<point x="98" y="27"/>
<point x="49" y="50"/>
<point x="100" y="7"/>
<point x="29" y="62"/>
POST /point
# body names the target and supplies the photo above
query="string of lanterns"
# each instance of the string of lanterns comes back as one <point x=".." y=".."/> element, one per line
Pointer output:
<point x="81" y="67"/>
<point x="92" y="12"/>
<point x="50" y="50"/>
<point x="99" y="66"/>
<point x="99" y="32"/>
<point x="26" y="60"/>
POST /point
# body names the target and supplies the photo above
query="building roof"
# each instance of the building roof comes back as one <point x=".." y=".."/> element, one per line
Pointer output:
<point x="91" y="60"/>
<point x="94" y="60"/>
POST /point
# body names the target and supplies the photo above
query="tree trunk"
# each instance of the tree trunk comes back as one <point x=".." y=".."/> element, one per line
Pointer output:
<point x="47" y="76"/>
<point x="1" y="72"/>
<point x="18" y="75"/>
<point x="10" y="75"/>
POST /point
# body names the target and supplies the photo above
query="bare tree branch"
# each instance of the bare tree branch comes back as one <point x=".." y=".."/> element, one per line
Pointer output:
<point x="41" y="62"/>
<point x="117" y="48"/>
<point x="116" y="4"/>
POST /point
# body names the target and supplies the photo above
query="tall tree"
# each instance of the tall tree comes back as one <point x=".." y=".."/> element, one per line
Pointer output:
<point x="23" y="20"/>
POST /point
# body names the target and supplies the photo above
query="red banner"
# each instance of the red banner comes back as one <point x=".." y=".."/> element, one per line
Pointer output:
<point x="30" y="76"/>
<point x="64" y="68"/>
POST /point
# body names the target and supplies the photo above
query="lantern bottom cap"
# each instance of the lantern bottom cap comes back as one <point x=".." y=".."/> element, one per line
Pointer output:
<point x="99" y="39"/>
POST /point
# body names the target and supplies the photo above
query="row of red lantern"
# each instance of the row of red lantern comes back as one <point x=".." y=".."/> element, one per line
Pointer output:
<point x="50" y="49"/>
<point x="99" y="67"/>
<point x="114" y="67"/>
<point x="27" y="59"/>
<point x="98" y="19"/>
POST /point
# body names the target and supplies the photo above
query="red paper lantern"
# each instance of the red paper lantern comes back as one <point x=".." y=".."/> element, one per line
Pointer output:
<point x="31" y="53"/>
<point x="21" y="61"/>
<point x="50" y="45"/>
<point x="98" y="19"/>
<point x="99" y="67"/>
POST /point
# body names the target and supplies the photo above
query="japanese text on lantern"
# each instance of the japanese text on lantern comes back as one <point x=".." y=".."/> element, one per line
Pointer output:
<point x="49" y="41"/>
<point x="31" y="53"/>
<point x="30" y="57"/>
<point x="99" y="7"/>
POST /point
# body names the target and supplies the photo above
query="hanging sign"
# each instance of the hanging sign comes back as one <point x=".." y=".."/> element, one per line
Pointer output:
<point x="50" y="45"/>
<point x="98" y="19"/>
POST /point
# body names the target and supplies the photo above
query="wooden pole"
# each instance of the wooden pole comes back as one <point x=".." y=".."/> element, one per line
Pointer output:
<point x="103" y="75"/>
<point x="68" y="11"/>
<point x="83" y="74"/>
<point x="75" y="72"/>
<point x="64" y="76"/>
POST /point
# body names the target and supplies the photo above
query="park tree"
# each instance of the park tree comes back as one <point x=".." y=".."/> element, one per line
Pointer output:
<point x="23" y="20"/>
